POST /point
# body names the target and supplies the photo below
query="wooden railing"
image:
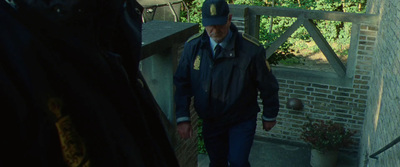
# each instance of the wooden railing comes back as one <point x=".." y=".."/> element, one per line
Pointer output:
<point x="251" y="15"/>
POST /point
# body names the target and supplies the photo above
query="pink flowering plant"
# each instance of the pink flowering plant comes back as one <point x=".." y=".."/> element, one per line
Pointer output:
<point x="326" y="135"/>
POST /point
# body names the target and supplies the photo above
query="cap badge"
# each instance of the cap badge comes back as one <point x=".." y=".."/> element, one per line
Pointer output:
<point x="213" y="10"/>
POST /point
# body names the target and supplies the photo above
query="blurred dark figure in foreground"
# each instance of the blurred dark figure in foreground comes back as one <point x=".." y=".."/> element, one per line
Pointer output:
<point x="70" y="90"/>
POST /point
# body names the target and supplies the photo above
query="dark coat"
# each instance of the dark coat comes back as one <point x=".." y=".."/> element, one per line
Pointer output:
<point x="71" y="76"/>
<point x="225" y="89"/>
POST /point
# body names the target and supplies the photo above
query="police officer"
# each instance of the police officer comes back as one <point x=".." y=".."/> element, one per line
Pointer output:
<point x="70" y="90"/>
<point x="224" y="70"/>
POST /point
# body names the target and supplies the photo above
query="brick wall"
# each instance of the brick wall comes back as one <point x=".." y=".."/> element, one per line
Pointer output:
<point x="383" y="104"/>
<point x="321" y="101"/>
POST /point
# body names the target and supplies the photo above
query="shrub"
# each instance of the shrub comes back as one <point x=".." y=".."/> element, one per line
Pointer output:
<point x="326" y="135"/>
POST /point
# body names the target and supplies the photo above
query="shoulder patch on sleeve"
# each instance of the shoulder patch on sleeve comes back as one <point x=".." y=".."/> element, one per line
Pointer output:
<point x="194" y="37"/>
<point x="251" y="39"/>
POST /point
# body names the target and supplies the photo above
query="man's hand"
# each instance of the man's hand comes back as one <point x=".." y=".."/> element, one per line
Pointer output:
<point x="185" y="130"/>
<point x="268" y="125"/>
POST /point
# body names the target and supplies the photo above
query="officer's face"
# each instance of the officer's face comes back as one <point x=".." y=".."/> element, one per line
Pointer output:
<point x="219" y="32"/>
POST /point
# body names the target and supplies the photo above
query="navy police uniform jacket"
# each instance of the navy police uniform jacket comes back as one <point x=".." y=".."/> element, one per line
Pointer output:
<point x="225" y="88"/>
<point x="70" y="90"/>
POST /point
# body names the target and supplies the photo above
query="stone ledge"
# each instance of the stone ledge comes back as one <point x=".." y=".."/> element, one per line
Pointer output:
<point x="161" y="35"/>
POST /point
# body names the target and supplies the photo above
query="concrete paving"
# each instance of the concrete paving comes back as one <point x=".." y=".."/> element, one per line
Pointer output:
<point x="278" y="154"/>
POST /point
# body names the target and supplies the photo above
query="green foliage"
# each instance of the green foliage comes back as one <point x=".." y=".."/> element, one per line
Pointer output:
<point x="249" y="2"/>
<point x="291" y="60"/>
<point x="200" y="145"/>
<point x="194" y="12"/>
<point x="268" y="36"/>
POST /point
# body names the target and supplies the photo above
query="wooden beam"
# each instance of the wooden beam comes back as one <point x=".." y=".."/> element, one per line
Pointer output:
<point x="319" y="39"/>
<point x="275" y="45"/>
<point x="351" y="58"/>
<point x="253" y="24"/>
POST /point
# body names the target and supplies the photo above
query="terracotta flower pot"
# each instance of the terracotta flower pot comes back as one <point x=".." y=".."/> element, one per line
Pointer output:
<point x="324" y="159"/>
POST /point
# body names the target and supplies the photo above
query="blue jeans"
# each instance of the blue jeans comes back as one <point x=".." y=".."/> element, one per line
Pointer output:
<point x="229" y="144"/>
